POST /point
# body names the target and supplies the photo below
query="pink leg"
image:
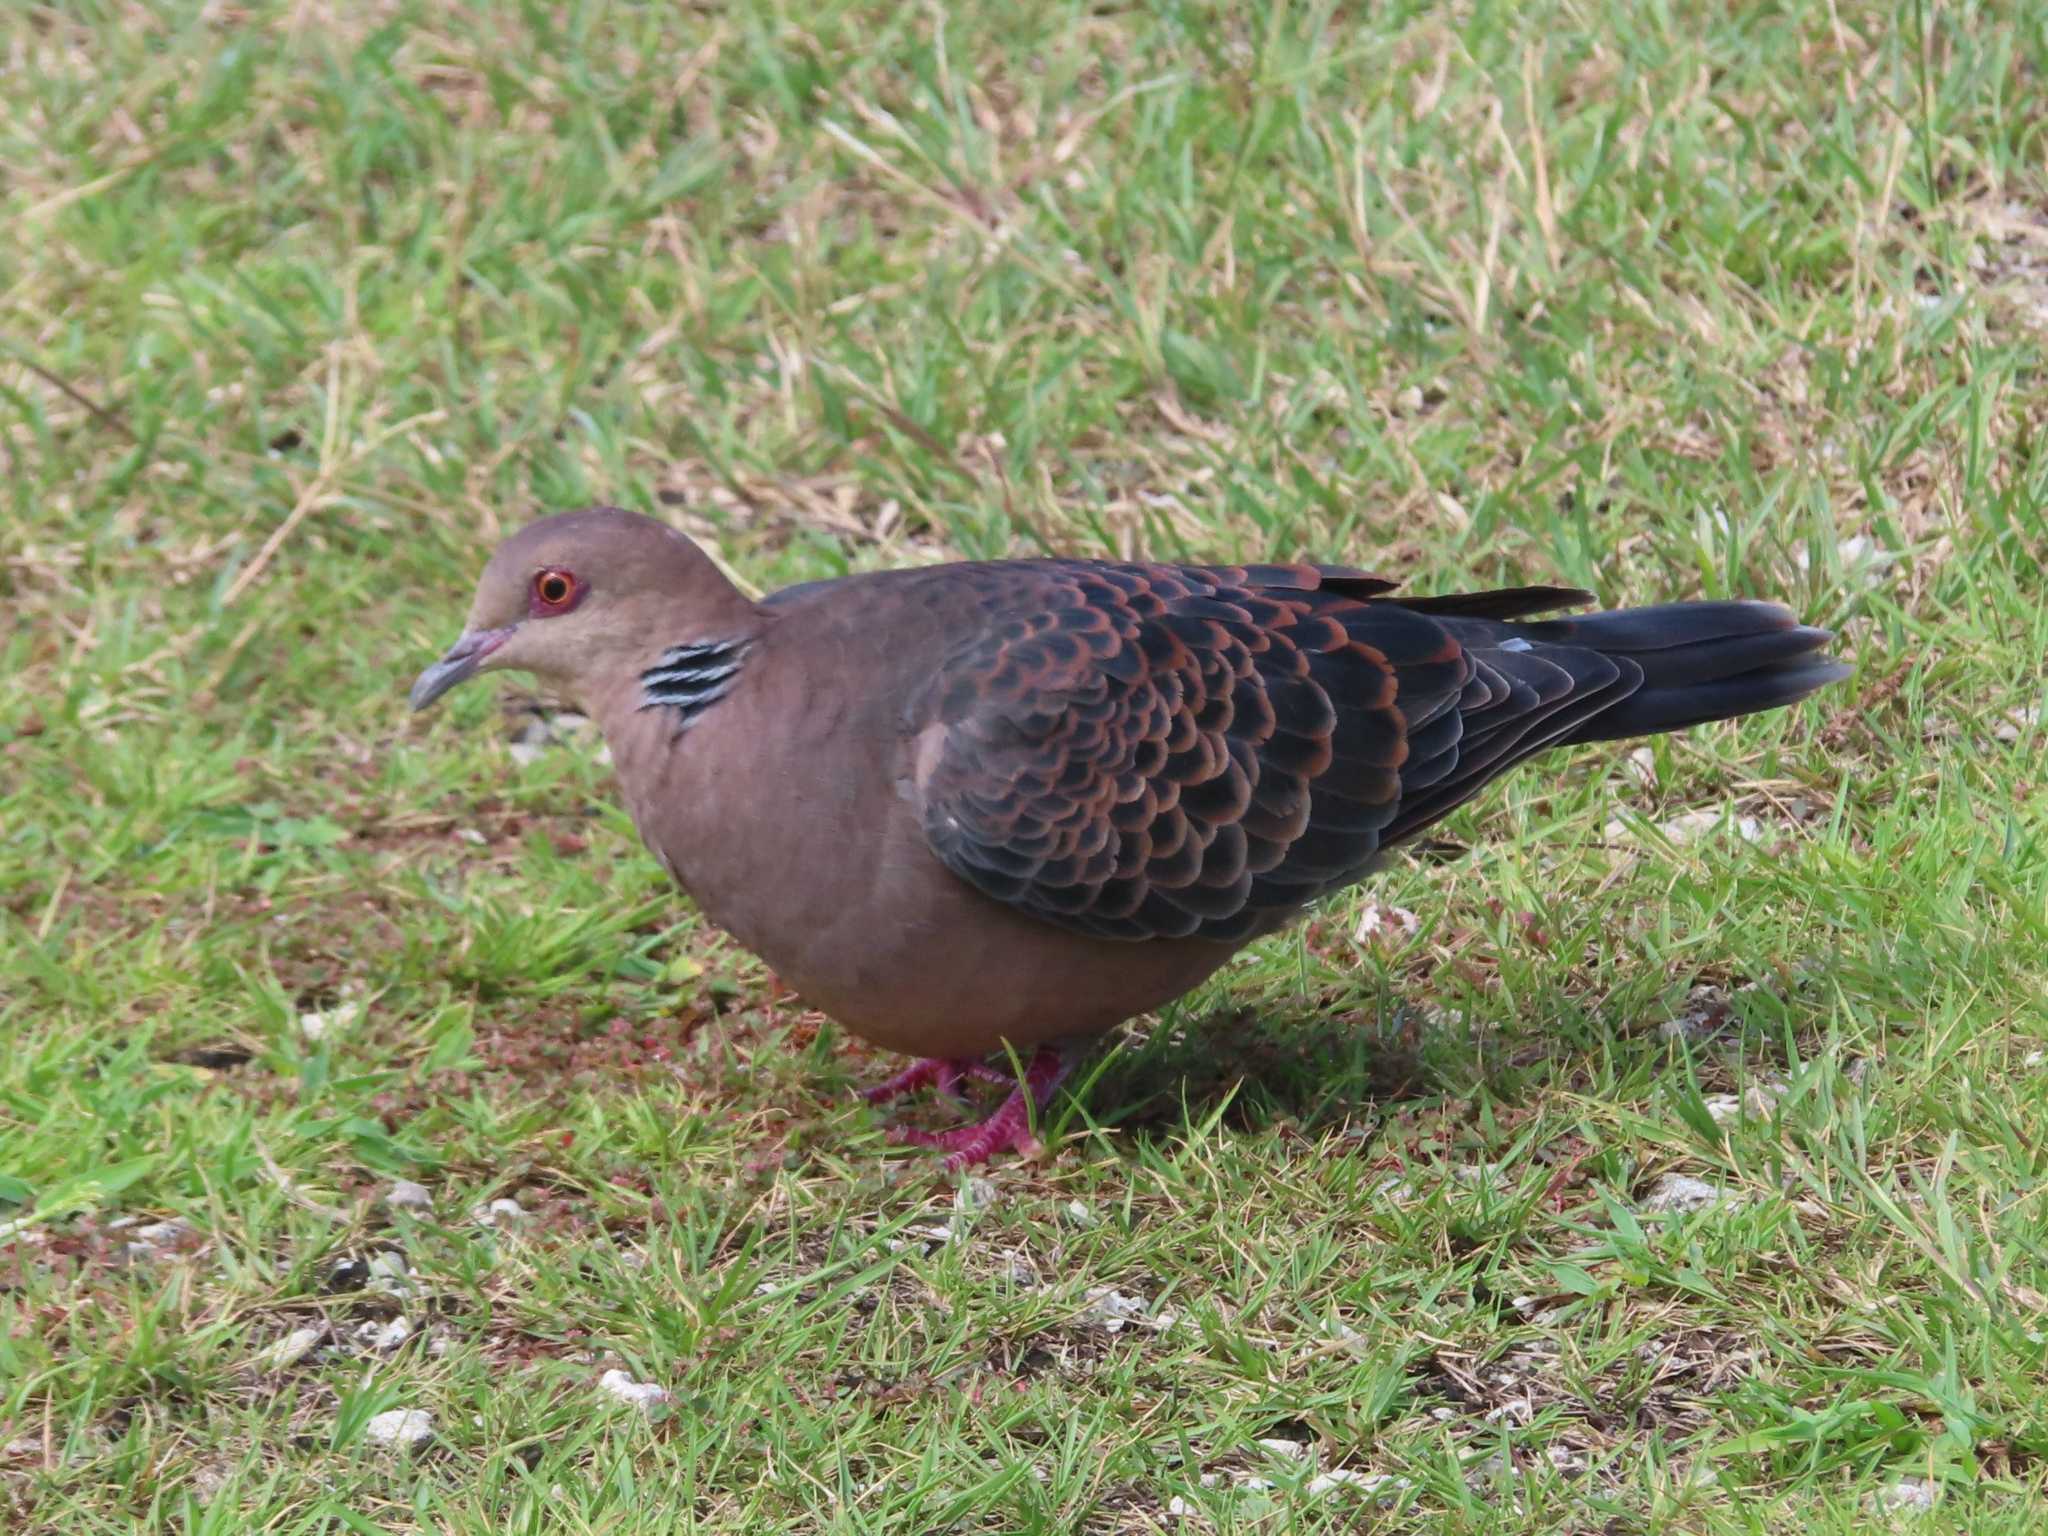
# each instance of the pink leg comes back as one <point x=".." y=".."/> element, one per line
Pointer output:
<point x="940" y="1072"/>
<point x="1009" y="1128"/>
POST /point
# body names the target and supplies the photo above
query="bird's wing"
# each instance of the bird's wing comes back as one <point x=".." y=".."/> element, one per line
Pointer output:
<point x="1169" y="751"/>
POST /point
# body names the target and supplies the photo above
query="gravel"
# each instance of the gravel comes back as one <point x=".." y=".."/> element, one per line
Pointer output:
<point x="1690" y="827"/>
<point x="291" y="1349"/>
<point x="975" y="1194"/>
<point x="1113" y="1311"/>
<point x="388" y="1274"/>
<point x="386" y="1336"/>
<point x="1908" y="1493"/>
<point x="1682" y="1193"/>
<point x="498" y="1213"/>
<point x="1757" y="1103"/>
<point x="316" y="1027"/>
<point x="402" y="1429"/>
<point x="1383" y="1486"/>
<point x="644" y="1395"/>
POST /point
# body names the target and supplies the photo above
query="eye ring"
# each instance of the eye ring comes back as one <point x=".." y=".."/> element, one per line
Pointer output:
<point x="553" y="589"/>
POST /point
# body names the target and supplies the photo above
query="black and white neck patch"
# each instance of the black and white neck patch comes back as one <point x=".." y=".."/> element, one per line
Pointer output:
<point x="689" y="679"/>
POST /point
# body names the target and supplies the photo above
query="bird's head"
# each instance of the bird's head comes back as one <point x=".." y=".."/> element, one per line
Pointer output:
<point x="582" y="595"/>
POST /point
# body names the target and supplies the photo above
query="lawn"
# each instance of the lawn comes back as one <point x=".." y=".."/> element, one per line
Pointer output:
<point x="1661" y="1149"/>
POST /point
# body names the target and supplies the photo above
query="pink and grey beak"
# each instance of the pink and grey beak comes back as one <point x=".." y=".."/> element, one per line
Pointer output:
<point x="462" y="660"/>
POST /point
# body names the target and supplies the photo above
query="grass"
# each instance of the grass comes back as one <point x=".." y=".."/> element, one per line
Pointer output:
<point x="302" y="305"/>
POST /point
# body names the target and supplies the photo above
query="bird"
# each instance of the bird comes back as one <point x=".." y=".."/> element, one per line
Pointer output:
<point x="985" y="811"/>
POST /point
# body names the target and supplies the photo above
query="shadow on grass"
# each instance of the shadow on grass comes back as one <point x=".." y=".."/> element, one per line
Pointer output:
<point x="1308" y="1067"/>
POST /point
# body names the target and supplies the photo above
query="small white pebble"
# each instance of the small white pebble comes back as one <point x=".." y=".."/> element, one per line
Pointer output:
<point x="1689" y="827"/>
<point x="1908" y="1493"/>
<point x="402" y="1429"/>
<point x="2015" y="722"/>
<point x="386" y="1337"/>
<point x="499" y="1212"/>
<point x="644" y="1395"/>
<point x="291" y="1349"/>
<point x="1390" y="926"/>
<point x="1723" y="1107"/>
<point x="149" y="1241"/>
<point x="1078" y="1213"/>
<point x="1294" y="1450"/>
<point x="387" y="1273"/>
<point x="1642" y="766"/>
<point x="207" y="1483"/>
<point x="1864" y="559"/>
<point x="1018" y="1271"/>
<point x="1110" y="1309"/>
<point x="404" y="1195"/>
<point x="975" y="1194"/>
<point x="471" y="836"/>
<point x="1380" y="1484"/>
<point x="318" y="1026"/>
<point x="1180" y="1507"/>
<point x="1680" y="1192"/>
<point x="2035" y="1058"/>
<point x="1757" y="1103"/>
<point x="1706" y="1013"/>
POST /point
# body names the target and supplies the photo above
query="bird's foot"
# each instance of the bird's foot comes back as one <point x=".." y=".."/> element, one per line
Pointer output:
<point x="1009" y="1128"/>
<point x="943" y="1073"/>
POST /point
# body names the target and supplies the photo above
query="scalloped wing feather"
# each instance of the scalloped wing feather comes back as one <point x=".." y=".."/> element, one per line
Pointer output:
<point x="1168" y="751"/>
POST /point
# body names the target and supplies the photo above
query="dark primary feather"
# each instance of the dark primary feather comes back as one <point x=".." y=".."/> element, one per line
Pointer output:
<point x="1144" y="751"/>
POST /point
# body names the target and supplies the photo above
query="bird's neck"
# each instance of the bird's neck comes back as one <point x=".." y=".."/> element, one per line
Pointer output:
<point x="684" y="681"/>
<point x="654" y="716"/>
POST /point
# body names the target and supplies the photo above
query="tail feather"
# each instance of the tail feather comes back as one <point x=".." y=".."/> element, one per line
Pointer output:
<point x="1700" y="662"/>
<point x="1595" y="677"/>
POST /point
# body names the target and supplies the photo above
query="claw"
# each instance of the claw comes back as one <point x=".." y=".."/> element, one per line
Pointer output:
<point x="933" y="1072"/>
<point x="1009" y="1128"/>
<point x="943" y="1074"/>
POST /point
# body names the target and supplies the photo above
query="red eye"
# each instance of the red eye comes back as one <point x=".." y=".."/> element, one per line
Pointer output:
<point x="553" y="589"/>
